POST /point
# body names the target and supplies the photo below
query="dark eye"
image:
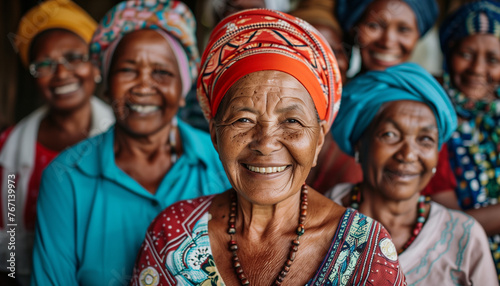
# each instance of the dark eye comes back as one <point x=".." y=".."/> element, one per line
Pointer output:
<point x="162" y="72"/>
<point x="291" y="120"/>
<point x="244" y="120"/>
<point x="75" y="58"/>
<point x="372" y="25"/>
<point x="493" y="60"/>
<point x="465" y="55"/>
<point x="404" y="29"/>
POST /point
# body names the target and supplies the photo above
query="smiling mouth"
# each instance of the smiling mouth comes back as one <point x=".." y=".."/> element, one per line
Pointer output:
<point x="266" y="170"/>
<point x="403" y="175"/>
<point x="385" y="57"/>
<point x="143" y="109"/>
<point x="66" y="88"/>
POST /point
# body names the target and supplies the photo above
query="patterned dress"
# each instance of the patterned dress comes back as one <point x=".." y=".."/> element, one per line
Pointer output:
<point x="177" y="251"/>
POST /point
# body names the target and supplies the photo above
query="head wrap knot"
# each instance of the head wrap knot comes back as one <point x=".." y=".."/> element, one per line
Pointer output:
<point x="260" y="39"/>
<point x="365" y="94"/>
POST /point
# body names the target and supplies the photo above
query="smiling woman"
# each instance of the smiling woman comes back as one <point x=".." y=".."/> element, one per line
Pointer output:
<point x="56" y="53"/>
<point x="386" y="31"/>
<point x="397" y="120"/>
<point x="269" y="86"/>
<point x="105" y="191"/>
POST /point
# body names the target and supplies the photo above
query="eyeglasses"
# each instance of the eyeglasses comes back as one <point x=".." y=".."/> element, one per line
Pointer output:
<point x="48" y="66"/>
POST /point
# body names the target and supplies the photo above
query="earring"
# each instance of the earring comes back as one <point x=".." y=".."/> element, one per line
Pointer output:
<point x="434" y="170"/>
<point x="97" y="78"/>
<point x="356" y="156"/>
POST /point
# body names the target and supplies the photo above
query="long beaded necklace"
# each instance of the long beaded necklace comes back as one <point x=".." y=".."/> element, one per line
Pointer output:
<point x="422" y="201"/>
<point x="233" y="246"/>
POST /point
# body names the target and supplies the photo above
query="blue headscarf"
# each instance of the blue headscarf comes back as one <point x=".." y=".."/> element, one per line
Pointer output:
<point x="349" y="12"/>
<point x="482" y="17"/>
<point x="364" y="95"/>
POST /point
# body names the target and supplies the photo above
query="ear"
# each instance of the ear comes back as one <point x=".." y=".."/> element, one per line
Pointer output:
<point x="213" y="134"/>
<point x="182" y="101"/>
<point x="323" y="131"/>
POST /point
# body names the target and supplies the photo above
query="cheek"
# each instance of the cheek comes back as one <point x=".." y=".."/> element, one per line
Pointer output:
<point x="408" y="44"/>
<point x="495" y="74"/>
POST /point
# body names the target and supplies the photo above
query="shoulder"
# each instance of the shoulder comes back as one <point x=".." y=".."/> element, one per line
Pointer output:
<point x="455" y="221"/>
<point x="4" y="135"/>
<point x="86" y="152"/>
<point x="182" y="211"/>
<point x="338" y="192"/>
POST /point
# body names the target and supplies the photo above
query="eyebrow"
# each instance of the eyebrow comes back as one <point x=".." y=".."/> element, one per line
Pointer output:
<point x="430" y="127"/>
<point x="289" y="108"/>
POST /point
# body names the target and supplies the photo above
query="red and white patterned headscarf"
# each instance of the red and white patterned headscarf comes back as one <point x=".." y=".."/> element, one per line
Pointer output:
<point x="260" y="39"/>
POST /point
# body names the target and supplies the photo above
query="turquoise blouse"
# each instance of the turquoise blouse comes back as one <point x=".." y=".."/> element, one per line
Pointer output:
<point x="92" y="217"/>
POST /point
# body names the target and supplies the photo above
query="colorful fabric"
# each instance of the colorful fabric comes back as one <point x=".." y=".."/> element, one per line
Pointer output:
<point x="52" y="14"/>
<point x="474" y="155"/>
<point x="172" y="19"/>
<point x="365" y="94"/>
<point x="260" y="39"/>
<point x="176" y="251"/>
<point x="349" y="12"/>
<point x="478" y="17"/>
<point x="102" y="213"/>
<point x="450" y="248"/>
<point x="444" y="179"/>
<point x="27" y="161"/>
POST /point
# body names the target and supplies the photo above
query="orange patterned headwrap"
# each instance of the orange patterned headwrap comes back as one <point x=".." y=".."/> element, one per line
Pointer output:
<point x="259" y="39"/>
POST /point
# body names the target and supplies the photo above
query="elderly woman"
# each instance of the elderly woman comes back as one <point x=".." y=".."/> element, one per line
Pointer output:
<point x="98" y="198"/>
<point x="395" y="121"/>
<point x="471" y="45"/>
<point x="270" y="87"/>
<point x="386" y="31"/>
<point x="53" y="40"/>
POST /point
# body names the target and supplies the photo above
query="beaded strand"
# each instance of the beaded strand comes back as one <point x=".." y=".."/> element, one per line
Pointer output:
<point x="233" y="246"/>
<point x="422" y="201"/>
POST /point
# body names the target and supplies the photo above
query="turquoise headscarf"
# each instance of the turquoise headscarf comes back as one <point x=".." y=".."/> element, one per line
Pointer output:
<point x="365" y="94"/>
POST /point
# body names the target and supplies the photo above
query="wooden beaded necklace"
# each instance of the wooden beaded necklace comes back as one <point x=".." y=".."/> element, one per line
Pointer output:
<point x="233" y="246"/>
<point x="422" y="201"/>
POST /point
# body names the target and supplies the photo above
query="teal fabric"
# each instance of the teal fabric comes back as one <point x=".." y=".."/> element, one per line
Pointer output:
<point x="92" y="216"/>
<point x="363" y="96"/>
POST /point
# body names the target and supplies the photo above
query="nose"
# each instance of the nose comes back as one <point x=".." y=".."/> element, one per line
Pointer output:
<point x="478" y="65"/>
<point x="265" y="140"/>
<point x="145" y="82"/>
<point x="407" y="153"/>
<point x="61" y="71"/>
<point x="388" y="37"/>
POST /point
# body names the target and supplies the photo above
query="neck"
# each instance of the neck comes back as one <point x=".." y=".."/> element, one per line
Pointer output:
<point x="76" y="121"/>
<point x="395" y="215"/>
<point x="142" y="146"/>
<point x="258" y="222"/>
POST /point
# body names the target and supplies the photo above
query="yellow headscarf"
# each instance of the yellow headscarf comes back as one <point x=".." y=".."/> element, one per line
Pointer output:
<point x="52" y="14"/>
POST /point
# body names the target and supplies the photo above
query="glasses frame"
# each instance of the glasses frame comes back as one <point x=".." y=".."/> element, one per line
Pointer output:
<point x="54" y="63"/>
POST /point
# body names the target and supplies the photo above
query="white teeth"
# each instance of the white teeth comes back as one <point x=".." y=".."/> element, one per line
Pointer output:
<point x="385" y="57"/>
<point x="67" y="88"/>
<point x="144" y="109"/>
<point x="266" y="170"/>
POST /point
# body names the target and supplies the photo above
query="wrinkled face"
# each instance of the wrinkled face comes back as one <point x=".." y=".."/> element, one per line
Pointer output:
<point x="268" y="136"/>
<point x="64" y="89"/>
<point x="335" y="41"/>
<point x="399" y="149"/>
<point x="475" y="66"/>
<point x="387" y="34"/>
<point x="145" y="85"/>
